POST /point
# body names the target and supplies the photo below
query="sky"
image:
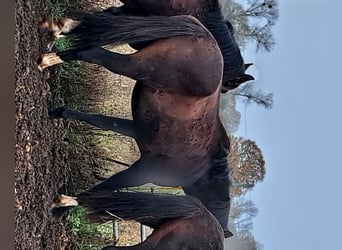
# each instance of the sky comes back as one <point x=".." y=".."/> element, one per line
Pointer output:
<point x="299" y="201"/>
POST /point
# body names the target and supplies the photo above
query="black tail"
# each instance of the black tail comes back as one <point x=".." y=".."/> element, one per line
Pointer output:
<point x="147" y="208"/>
<point x="101" y="29"/>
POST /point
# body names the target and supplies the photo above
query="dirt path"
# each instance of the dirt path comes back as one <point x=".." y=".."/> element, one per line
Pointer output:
<point x="39" y="154"/>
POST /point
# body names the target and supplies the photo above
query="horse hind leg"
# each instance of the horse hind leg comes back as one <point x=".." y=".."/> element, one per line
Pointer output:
<point x="118" y="125"/>
<point x="58" y="27"/>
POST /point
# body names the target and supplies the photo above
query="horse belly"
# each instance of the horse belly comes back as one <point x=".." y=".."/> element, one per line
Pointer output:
<point x="172" y="124"/>
<point x="173" y="137"/>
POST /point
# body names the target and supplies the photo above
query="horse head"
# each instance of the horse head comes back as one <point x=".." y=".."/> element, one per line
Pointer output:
<point x="234" y="83"/>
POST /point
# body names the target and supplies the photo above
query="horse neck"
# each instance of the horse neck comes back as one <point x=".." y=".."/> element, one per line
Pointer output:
<point x="210" y="5"/>
<point x="233" y="62"/>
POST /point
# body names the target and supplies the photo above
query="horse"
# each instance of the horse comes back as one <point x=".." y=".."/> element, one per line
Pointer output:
<point x="175" y="101"/>
<point x="223" y="31"/>
<point x="179" y="222"/>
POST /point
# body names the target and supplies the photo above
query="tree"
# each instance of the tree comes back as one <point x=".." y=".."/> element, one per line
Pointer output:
<point x="230" y="117"/>
<point x="253" y="22"/>
<point x="246" y="161"/>
<point x="242" y="212"/>
<point x="245" y="241"/>
<point x="242" y="208"/>
<point x="250" y="95"/>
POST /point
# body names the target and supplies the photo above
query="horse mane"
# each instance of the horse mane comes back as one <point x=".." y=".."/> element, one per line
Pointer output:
<point x="224" y="35"/>
<point x="150" y="209"/>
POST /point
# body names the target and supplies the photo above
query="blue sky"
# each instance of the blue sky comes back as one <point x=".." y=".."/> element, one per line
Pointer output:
<point x="300" y="201"/>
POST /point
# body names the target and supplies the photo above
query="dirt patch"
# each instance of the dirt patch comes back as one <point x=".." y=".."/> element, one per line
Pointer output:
<point x="40" y="154"/>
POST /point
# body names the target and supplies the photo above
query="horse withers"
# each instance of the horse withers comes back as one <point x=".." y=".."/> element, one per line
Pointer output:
<point x="174" y="102"/>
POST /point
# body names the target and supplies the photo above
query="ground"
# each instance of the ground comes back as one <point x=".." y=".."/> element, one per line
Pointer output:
<point x="41" y="152"/>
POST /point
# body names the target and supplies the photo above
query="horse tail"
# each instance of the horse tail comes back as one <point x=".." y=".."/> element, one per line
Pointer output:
<point x="101" y="29"/>
<point x="150" y="209"/>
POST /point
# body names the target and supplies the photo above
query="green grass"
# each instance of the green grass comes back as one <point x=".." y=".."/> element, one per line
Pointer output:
<point x="62" y="43"/>
<point x="60" y="9"/>
<point x="88" y="236"/>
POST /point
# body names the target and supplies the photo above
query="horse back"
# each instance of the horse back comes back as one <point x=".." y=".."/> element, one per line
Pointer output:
<point x="186" y="65"/>
<point x="171" y="7"/>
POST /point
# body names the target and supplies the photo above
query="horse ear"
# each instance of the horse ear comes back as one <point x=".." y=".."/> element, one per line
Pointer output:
<point x="229" y="26"/>
<point x="247" y="65"/>
<point x="244" y="78"/>
<point x="228" y="234"/>
<point x="235" y="82"/>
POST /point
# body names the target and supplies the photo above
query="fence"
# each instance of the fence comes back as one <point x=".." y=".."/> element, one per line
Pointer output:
<point x="146" y="188"/>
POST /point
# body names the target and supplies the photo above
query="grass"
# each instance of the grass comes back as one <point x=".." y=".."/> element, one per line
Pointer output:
<point x="60" y="9"/>
<point x="88" y="236"/>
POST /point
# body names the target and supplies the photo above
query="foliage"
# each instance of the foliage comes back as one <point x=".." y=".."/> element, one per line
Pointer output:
<point x="230" y="117"/>
<point x="253" y="21"/>
<point x="246" y="162"/>
<point x="250" y="95"/>
<point x="241" y="214"/>
<point x="88" y="235"/>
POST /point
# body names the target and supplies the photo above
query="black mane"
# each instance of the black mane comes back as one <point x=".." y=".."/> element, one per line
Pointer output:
<point x="224" y="35"/>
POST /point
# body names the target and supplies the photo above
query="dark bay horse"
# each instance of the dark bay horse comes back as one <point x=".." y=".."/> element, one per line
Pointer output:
<point x="179" y="222"/>
<point x="174" y="102"/>
<point x="209" y="14"/>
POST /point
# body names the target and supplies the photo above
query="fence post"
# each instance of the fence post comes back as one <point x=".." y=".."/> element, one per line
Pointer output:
<point x="142" y="232"/>
<point x="115" y="233"/>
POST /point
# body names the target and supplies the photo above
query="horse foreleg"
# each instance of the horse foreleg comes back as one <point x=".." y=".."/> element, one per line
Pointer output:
<point x="122" y="126"/>
<point x="148" y="169"/>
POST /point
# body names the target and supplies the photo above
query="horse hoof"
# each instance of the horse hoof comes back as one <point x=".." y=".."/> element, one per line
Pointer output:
<point x="56" y="113"/>
<point x="57" y="27"/>
<point x="59" y="212"/>
<point x="47" y="60"/>
<point x="51" y="25"/>
<point x="65" y="201"/>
